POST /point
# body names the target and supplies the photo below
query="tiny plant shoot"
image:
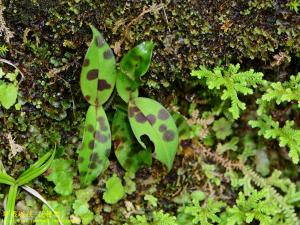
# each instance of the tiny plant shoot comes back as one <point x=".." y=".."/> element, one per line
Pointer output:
<point x="143" y="118"/>
<point x="28" y="175"/>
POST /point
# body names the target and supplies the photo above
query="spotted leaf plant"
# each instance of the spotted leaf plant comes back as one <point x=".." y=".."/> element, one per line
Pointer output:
<point x="139" y="127"/>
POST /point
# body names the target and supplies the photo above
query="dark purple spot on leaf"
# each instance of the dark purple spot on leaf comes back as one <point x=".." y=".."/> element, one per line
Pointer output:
<point x="94" y="157"/>
<point x="108" y="54"/>
<point x="100" y="41"/>
<point x="162" y="128"/>
<point x="104" y="128"/>
<point x="90" y="128"/>
<point x="140" y="118"/>
<point x="132" y="111"/>
<point x="169" y="135"/>
<point x="91" y="144"/>
<point x="100" y="120"/>
<point x="163" y="114"/>
<point x="87" y="97"/>
<point x="86" y="62"/>
<point x="102" y="125"/>
<point x="102" y="85"/>
<point x="99" y="137"/>
<point x="151" y="118"/>
<point x="92" y="74"/>
<point x="93" y="165"/>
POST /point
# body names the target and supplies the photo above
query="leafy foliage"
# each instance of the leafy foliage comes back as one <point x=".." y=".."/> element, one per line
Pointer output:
<point x="114" y="190"/>
<point x="222" y="128"/>
<point x="249" y="148"/>
<point x="97" y="80"/>
<point x="153" y="125"/>
<point x="210" y="171"/>
<point x="152" y="201"/>
<point x="258" y="206"/>
<point x="61" y="173"/>
<point x="294" y="5"/>
<point x="96" y="145"/>
<point x="159" y="218"/>
<point x="287" y="135"/>
<point x="230" y="145"/>
<point x="185" y="130"/>
<point x="45" y="217"/>
<point x="130" y="185"/>
<point x="98" y="75"/>
<point x="8" y="94"/>
<point x="136" y="62"/>
<point x="148" y="118"/>
<point x="250" y="179"/>
<point x="205" y="214"/>
<point x="81" y="205"/>
<point x="3" y="50"/>
<point x="231" y="82"/>
<point x="126" y="88"/>
<point x="130" y="155"/>
<point x="284" y="92"/>
<point x="8" y="88"/>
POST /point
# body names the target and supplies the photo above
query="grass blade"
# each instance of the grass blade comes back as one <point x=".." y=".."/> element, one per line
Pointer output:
<point x="36" y="164"/>
<point x="37" y="195"/>
<point x="6" y="179"/>
<point x="36" y="170"/>
<point x="10" y="206"/>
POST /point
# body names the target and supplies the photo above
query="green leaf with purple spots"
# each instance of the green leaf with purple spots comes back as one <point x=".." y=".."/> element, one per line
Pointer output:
<point x="126" y="88"/>
<point x="129" y="153"/>
<point x="98" y="74"/>
<point x="96" y="145"/>
<point x="151" y="122"/>
<point x="135" y="63"/>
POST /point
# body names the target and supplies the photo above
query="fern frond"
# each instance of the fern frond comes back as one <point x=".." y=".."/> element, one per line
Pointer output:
<point x="288" y="210"/>
<point x="3" y="50"/>
<point x="158" y="218"/>
<point x="287" y="135"/>
<point x="232" y="82"/>
<point x="284" y="92"/>
<point x="207" y="214"/>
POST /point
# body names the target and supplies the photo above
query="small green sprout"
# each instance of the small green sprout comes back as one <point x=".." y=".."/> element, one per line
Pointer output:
<point x="27" y="176"/>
